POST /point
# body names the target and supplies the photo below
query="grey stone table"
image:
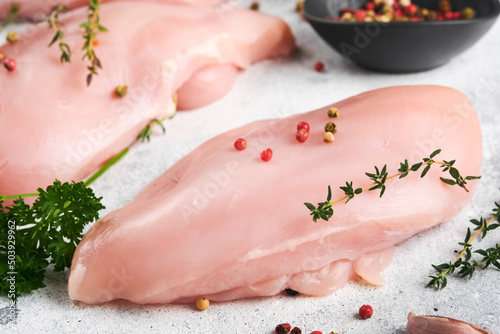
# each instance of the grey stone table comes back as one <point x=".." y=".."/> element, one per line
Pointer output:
<point x="276" y="89"/>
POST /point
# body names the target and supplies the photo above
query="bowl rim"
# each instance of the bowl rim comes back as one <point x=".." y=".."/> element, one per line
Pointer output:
<point x="491" y="15"/>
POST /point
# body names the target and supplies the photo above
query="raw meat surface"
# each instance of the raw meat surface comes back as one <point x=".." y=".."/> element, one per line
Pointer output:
<point x="38" y="9"/>
<point x="223" y="224"/>
<point x="57" y="127"/>
<point x="207" y="85"/>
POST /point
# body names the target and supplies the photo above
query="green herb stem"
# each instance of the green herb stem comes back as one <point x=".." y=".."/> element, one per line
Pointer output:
<point x="3" y="197"/>
<point x="91" y="179"/>
<point x="472" y="239"/>
<point x="107" y="166"/>
<point x="11" y="17"/>
<point x="464" y="262"/>
<point x="54" y="23"/>
<point x="48" y="231"/>
<point x="380" y="176"/>
<point x="146" y="133"/>
<point x="366" y="187"/>
<point x="91" y="27"/>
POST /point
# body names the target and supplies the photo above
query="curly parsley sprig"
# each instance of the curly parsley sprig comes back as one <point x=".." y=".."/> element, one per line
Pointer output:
<point x="380" y="177"/>
<point x="464" y="263"/>
<point x="47" y="232"/>
<point x="92" y="26"/>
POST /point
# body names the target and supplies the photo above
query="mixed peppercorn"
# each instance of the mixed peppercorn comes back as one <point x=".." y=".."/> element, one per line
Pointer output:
<point x="12" y="37"/>
<point x="9" y="63"/>
<point x="401" y="11"/>
<point x="121" y="90"/>
<point x="319" y="66"/>
<point x="240" y="144"/>
<point x="266" y="155"/>
<point x="365" y="312"/>
<point x="301" y="136"/>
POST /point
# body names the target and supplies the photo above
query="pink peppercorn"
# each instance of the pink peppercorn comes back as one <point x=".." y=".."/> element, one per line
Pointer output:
<point x="319" y="66"/>
<point x="266" y="155"/>
<point x="411" y="10"/>
<point x="301" y="135"/>
<point x="359" y="15"/>
<point x="10" y="64"/>
<point x="370" y="6"/>
<point x="345" y="10"/>
<point x="448" y="16"/>
<point x="399" y="14"/>
<point x="365" y="311"/>
<point x="303" y="125"/>
<point x="240" y="144"/>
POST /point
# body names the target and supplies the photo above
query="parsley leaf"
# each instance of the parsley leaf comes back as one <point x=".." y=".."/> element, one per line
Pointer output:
<point x="46" y="232"/>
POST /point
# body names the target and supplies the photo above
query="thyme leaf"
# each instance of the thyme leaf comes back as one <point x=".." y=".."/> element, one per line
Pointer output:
<point x="11" y="17"/>
<point x="148" y="130"/>
<point x="381" y="176"/>
<point x="46" y="232"/>
<point x="55" y="24"/>
<point x="91" y="27"/>
<point x="464" y="263"/>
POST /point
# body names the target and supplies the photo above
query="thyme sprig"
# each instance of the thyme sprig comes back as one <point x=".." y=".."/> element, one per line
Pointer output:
<point x="146" y="133"/>
<point x="92" y="26"/>
<point x="464" y="263"/>
<point x="55" y="24"/>
<point x="148" y="130"/>
<point x="11" y="17"/>
<point x="380" y="177"/>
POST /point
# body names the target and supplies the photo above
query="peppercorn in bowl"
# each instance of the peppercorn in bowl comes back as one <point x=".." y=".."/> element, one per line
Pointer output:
<point x="401" y="35"/>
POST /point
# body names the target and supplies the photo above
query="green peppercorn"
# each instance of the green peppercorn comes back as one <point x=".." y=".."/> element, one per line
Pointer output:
<point x="468" y="13"/>
<point x="121" y="90"/>
<point x="12" y="37"/>
<point x="255" y="5"/>
<point x="333" y="112"/>
<point x="423" y="13"/>
<point x="432" y="16"/>
<point x="331" y="127"/>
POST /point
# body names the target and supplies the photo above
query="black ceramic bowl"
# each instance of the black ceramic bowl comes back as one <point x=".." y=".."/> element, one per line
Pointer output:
<point x="400" y="46"/>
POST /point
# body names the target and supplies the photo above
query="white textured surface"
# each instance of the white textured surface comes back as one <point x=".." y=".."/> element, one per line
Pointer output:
<point x="275" y="89"/>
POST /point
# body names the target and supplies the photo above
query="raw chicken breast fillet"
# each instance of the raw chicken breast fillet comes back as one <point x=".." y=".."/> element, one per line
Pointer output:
<point x="38" y="9"/>
<point x="54" y="126"/>
<point x="223" y="224"/>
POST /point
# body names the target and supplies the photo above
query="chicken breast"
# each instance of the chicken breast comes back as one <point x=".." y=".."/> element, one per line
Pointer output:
<point x="38" y="9"/>
<point x="60" y="128"/>
<point x="223" y="224"/>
